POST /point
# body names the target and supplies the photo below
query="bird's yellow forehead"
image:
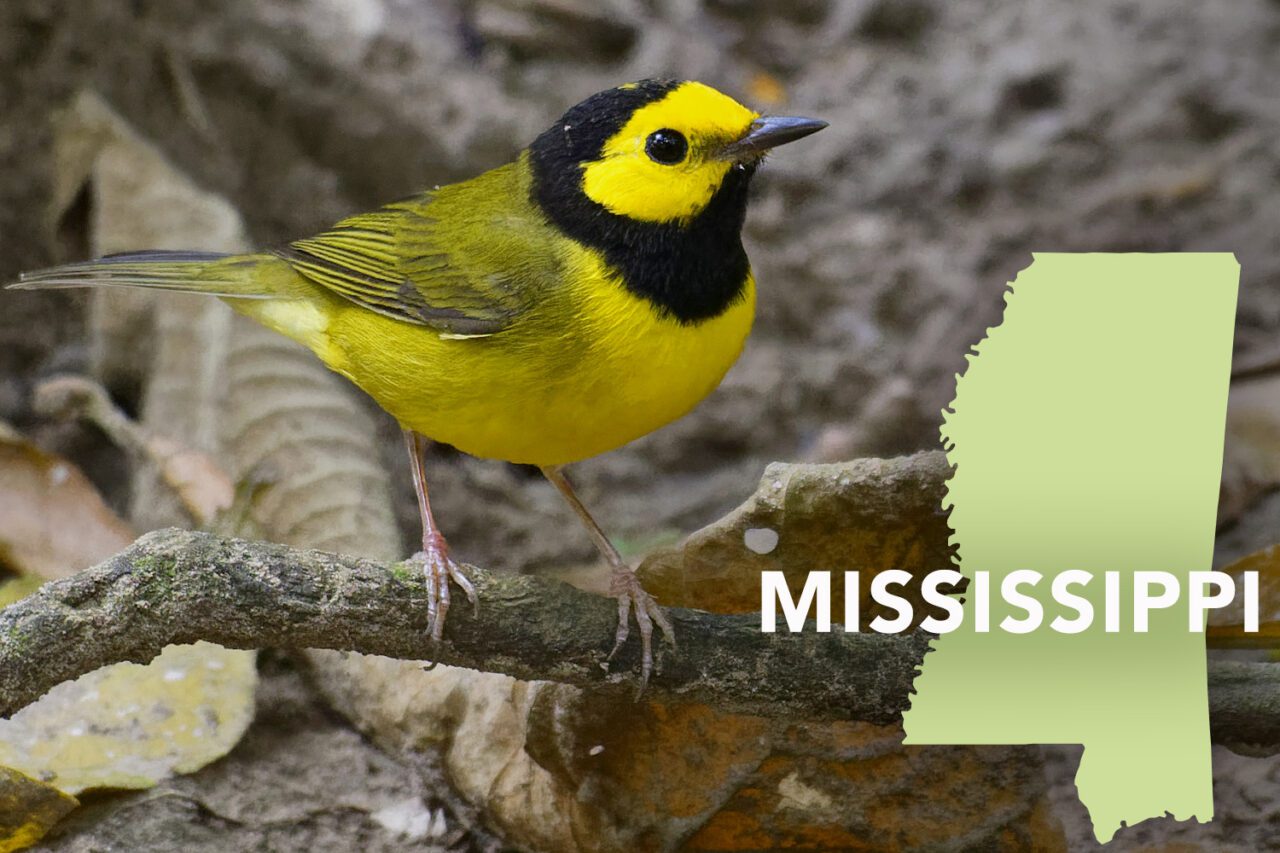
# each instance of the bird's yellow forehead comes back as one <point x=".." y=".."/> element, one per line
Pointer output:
<point x="692" y="108"/>
<point x="626" y="181"/>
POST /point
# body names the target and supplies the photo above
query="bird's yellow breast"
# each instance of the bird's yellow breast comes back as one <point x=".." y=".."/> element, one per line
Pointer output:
<point x="592" y="368"/>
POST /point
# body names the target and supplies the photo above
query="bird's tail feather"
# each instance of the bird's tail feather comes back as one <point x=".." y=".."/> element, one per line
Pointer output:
<point x="193" y="272"/>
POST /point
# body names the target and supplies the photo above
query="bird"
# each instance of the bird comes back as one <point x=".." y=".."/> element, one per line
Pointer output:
<point x="549" y="310"/>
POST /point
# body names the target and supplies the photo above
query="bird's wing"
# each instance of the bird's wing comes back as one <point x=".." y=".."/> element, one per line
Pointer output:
<point x="399" y="262"/>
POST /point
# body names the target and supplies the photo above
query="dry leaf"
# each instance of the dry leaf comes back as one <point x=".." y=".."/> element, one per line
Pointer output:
<point x="53" y="522"/>
<point x="204" y="489"/>
<point x="129" y="726"/>
<point x="28" y="809"/>
<point x="869" y="515"/>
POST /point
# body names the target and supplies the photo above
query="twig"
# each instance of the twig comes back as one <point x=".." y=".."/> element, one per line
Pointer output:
<point x="203" y="489"/>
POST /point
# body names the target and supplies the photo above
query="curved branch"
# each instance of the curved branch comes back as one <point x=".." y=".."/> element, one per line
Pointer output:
<point x="179" y="587"/>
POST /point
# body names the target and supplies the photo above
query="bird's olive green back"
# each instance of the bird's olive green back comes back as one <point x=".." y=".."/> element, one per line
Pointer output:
<point x="466" y="259"/>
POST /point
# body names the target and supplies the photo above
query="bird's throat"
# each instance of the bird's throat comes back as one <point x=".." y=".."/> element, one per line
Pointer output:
<point x="690" y="271"/>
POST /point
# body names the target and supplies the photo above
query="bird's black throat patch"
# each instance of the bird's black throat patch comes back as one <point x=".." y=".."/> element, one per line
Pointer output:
<point x="691" y="271"/>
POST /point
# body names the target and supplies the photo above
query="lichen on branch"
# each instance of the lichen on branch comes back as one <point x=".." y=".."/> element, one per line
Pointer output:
<point x="179" y="587"/>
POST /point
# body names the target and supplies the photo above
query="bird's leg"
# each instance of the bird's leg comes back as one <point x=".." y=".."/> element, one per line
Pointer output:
<point x="624" y="585"/>
<point x="437" y="566"/>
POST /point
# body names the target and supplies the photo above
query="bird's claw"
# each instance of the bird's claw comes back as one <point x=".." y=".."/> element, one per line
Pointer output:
<point x="625" y="587"/>
<point x="438" y="568"/>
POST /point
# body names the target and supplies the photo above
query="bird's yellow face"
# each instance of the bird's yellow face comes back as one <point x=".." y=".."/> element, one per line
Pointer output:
<point x="667" y="161"/>
<point x="652" y="179"/>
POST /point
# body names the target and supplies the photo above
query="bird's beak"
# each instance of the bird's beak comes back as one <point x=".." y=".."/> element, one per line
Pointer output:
<point x="767" y="132"/>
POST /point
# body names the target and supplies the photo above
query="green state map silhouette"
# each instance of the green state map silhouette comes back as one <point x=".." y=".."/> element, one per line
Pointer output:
<point x="1086" y="433"/>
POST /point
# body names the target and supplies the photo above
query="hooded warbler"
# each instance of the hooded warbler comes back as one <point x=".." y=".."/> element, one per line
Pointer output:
<point x="546" y="311"/>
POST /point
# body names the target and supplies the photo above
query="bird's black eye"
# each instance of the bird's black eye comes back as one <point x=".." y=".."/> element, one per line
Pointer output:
<point x="666" y="146"/>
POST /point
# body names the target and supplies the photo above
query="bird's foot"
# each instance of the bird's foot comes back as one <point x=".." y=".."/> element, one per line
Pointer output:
<point x="439" y="568"/>
<point x="625" y="587"/>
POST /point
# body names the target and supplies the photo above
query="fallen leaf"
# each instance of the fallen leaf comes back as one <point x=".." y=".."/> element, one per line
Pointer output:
<point x="53" y="522"/>
<point x="28" y="809"/>
<point x="204" y="489"/>
<point x="129" y="726"/>
<point x="869" y="515"/>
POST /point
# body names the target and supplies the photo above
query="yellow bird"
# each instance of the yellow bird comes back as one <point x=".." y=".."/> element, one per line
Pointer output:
<point x="543" y="312"/>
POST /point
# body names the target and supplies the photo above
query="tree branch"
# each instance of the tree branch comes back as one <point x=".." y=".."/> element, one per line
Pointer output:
<point x="179" y="587"/>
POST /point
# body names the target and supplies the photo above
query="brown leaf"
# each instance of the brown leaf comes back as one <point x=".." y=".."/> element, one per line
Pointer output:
<point x="869" y="515"/>
<point x="53" y="522"/>
<point x="204" y="489"/>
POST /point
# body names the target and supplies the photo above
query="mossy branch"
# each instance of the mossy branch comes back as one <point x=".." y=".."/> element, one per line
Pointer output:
<point x="179" y="587"/>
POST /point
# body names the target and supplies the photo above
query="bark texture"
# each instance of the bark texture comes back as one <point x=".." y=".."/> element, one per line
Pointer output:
<point x="178" y="587"/>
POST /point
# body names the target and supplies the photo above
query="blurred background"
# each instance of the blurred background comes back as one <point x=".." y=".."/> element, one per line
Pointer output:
<point x="964" y="135"/>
